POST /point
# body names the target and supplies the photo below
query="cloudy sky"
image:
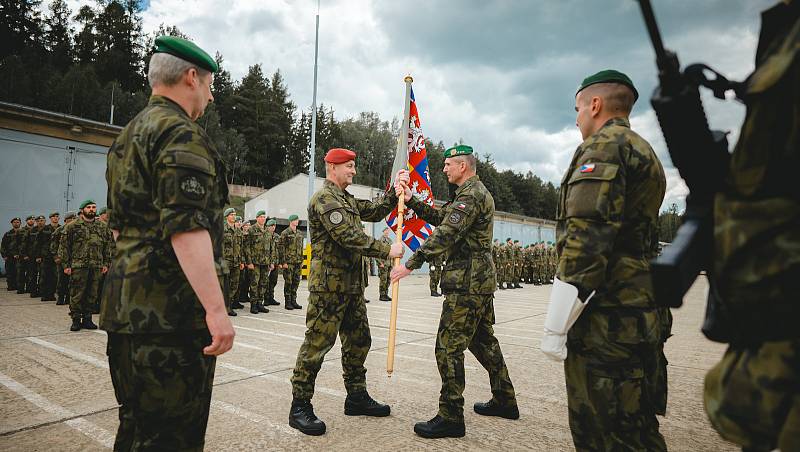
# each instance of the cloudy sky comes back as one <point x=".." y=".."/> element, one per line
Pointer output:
<point x="501" y="74"/>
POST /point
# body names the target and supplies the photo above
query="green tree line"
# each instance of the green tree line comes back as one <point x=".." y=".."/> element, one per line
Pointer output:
<point x="76" y="62"/>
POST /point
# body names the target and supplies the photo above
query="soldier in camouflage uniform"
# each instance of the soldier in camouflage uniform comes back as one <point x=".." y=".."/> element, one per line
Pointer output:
<point x="163" y="306"/>
<point x="291" y="246"/>
<point x="47" y="266"/>
<point x="10" y="252"/>
<point x="464" y="233"/>
<point x="435" y="266"/>
<point x="102" y="215"/>
<point x="272" y="280"/>
<point x="23" y="262"/>
<point x="496" y="262"/>
<point x="230" y="251"/>
<point x="384" y="268"/>
<point x="552" y="263"/>
<point x="508" y="260"/>
<point x="244" y="277"/>
<point x="238" y="272"/>
<point x="335" y="283"/>
<point x="35" y="255"/>
<point x="260" y="258"/>
<point x="62" y="285"/>
<point x="519" y="262"/>
<point x="752" y="396"/>
<point x="609" y="202"/>
<point x="86" y="255"/>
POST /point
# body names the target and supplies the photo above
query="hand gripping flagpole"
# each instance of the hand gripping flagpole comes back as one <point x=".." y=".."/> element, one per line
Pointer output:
<point x="402" y="150"/>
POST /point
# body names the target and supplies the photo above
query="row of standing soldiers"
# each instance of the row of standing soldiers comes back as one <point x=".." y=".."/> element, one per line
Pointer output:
<point x="533" y="264"/>
<point x="255" y="254"/>
<point x="58" y="262"/>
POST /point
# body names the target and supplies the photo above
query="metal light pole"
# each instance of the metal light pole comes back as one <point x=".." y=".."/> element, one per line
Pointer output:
<point x="312" y="176"/>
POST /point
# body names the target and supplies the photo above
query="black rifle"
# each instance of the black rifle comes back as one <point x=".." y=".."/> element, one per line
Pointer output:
<point x="701" y="156"/>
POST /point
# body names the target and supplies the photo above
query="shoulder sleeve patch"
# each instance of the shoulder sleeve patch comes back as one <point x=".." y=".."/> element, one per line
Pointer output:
<point x="594" y="171"/>
<point x="186" y="159"/>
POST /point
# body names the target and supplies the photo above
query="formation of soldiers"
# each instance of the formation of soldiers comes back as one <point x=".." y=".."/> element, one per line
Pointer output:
<point x="255" y="254"/>
<point x="533" y="264"/>
<point x="65" y="263"/>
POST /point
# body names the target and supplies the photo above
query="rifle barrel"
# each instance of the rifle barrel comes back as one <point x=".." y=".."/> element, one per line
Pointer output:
<point x="652" y="30"/>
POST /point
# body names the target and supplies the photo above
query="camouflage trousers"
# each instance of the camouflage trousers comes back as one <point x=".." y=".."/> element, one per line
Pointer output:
<point x="11" y="273"/>
<point x="435" y="278"/>
<point x="163" y="384"/>
<point x="383" y="279"/>
<point x="47" y="272"/>
<point x="243" y="294"/>
<point x="329" y="314"/>
<point x="22" y="275"/>
<point x="32" y="276"/>
<point x="291" y="281"/>
<point x="466" y="323"/>
<point x="616" y="376"/>
<point x="233" y="286"/>
<point x="63" y="285"/>
<point x="259" y="277"/>
<point x="84" y="291"/>
<point x="752" y="396"/>
<point x="272" y="281"/>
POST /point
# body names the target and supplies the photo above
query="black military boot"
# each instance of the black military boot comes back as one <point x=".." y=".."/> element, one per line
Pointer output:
<point x="61" y="301"/>
<point x="34" y="295"/>
<point x="509" y="286"/>
<point x="385" y="297"/>
<point x="361" y="404"/>
<point x="87" y="323"/>
<point x="261" y="308"/>
<point x="439" y="427"/>
<point x="302" y="417"/>
<point x="495" y="408"/>
<point x="272" y="302"/>
<point x="287" y="304"/>
<point x="232" y="313"/>
<point x="76" y="324"/>
<point x="294" y="303"/>
<point x="501" y="287"/>
<point x="237" y="305"/>
<point x="435" y="293"/>
<point x="517" y="285"/>
<point x="253" y="307"/>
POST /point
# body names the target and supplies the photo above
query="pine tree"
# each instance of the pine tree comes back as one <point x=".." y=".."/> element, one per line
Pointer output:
<point x="58" y="36"/>
<point x="20" y="28"/>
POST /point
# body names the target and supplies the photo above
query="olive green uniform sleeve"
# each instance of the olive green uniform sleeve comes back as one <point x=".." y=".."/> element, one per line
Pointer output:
<point x="594" y="206"/>
<point x="376" y="211"/>
<point x="338" y="221"/>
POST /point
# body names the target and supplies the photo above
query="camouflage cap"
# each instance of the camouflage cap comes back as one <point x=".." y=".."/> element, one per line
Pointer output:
<point x="86" y="202"/>
<point x="185" y="50"/>
<point x="293" y="217"/>
<point x="55" y="214"/>
<point x="229" y="211"/>
<point x="609" y="76"/>
<point x="260" y="213"/>
<point x="271" y="222"/>
<point x="461" y="149"/>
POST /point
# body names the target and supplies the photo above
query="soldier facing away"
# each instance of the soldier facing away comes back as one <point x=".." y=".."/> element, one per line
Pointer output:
<point x="610" y="196"/>
<point x="163" y="306"/>
<point x="335" y="302"/>
<point x="464" y="233"/>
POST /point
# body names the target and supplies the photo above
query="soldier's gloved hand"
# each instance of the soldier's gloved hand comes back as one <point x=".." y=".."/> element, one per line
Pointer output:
<point x="396" y="250"/>
<point x="564" y="309"/>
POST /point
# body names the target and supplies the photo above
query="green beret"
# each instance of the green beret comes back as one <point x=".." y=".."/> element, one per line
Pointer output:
<point x="461" y="149"/>
<point x="293" y="217"/>
<point x="238" y="218"/>
<point x="30" y="217"/>
<point x="609" y="76"/>
<point x="271" y="222"/>
<point x="185" y="50"/>
<point x="102" y="210"/>
<point x="54" y="214"/>
<point x="40" y="217"/>
<point x="70" y="214"/>
<point x="15" y="219"/>
<point x="86" y="203"/>
<point x="261" y="212"/>
<point x="508" y="239"/>
<point x="229" y="211"/>
<point x="516" y="241"/>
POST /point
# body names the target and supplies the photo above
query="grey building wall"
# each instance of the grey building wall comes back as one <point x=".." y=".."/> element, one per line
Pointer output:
<point x="40" y="174"/>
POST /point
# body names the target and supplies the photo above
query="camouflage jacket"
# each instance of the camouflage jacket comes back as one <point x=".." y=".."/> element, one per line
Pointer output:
<point x="231" y="245"/>
<point x="496" y="254"/>
<point x="608" y="207"/>
<point x="32" y="242"/>
<point x="338" y="241"/>
<point x="464" y="232"/>
<point x="55" y="240"/>
<point x="10" y="245"/>
<point x="260" y="246"/>
<point x="291" y="246"/>
<point x="84" y="245"/>
<point x="164" y="177"/>
<point x="757" y="217"/>
<point x="23" y="240"/>
<point x="387" y="263"/>
<point x="42" y="245"/>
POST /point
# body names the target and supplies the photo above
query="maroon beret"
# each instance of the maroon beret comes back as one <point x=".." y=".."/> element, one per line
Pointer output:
<point x="339" y="155"/>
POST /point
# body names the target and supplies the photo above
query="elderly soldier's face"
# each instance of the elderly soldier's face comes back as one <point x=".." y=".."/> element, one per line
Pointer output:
<point x="202" y="91"/>
<point x="454" y="168"/>
<point x="343" y="173"/>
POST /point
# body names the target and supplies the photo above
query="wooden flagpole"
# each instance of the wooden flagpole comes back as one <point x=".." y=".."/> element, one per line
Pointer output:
<point x="401" y="207"/>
